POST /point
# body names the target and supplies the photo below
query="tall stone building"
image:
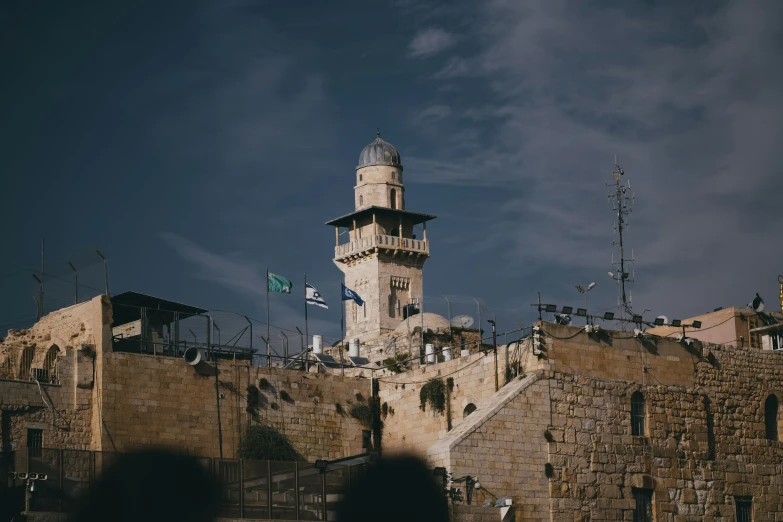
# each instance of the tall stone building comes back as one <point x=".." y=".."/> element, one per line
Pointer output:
<point x="383" y="258"/>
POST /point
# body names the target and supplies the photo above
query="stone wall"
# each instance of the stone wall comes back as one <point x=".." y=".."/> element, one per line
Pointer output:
<point x="410" y="429"/>
<point x="63" y="411"/>
<point x="113" y="401"/>
<point x="158" y="400"/>
<point x="502" y="446"/>
<point x="704" y="438"/>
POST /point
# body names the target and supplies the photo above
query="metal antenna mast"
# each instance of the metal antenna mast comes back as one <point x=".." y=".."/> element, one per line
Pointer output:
<point x="622" y="201"/>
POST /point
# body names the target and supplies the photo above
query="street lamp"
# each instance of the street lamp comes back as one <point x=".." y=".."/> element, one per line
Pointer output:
<point x="583" y="290"/>
<point x="495" y="351"/>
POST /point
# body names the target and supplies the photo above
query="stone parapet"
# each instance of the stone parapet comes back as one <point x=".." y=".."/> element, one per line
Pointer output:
<point x="370" y="243"/>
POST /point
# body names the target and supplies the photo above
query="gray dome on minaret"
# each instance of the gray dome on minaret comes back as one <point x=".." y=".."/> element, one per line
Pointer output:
<point x="379" y="152"/>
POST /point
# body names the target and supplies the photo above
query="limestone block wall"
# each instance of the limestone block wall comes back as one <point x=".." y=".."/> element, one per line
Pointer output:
<point x="413" y="430"/>
<point x="371" y="277"/>
<point x="705" y="441"/>
<point x="502" y="445"/>
<point x="152" y="400"/>
<point x="619" y="355"/>
<point x="63" y="411"/>
<point x="374" y="184"/>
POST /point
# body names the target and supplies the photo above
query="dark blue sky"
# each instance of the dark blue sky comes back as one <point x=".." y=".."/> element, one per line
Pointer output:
<point x="198" y="142"/>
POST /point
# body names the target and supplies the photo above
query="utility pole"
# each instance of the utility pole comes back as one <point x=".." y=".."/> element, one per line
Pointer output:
<point x="495" y="350"/>
<point x="75" y="283"/>
<point x="105" y="270"/>
<point x="43" y="277"/>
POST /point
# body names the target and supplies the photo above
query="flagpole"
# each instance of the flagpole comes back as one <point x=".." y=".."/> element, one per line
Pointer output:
<point x="342" y="328"/>
<point x="268" y="337"/>
<point x="307" y="333"/>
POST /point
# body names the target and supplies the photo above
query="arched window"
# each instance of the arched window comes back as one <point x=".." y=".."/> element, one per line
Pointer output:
<point x="470" y="408"/>
<point x="25" y="362"/>
<point x="361" y="201"/>
<point x="393" y="199"/>
<point x="50" y="363"/>
<point x="637" y="414"/>
<point x="771" y="417"/>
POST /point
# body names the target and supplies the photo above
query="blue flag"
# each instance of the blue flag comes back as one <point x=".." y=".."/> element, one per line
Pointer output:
<point x="349" y="294"/>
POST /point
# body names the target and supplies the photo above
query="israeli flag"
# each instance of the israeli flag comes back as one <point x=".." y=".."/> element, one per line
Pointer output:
<point x="313" y="297"/>
<point x="349" y="294"/>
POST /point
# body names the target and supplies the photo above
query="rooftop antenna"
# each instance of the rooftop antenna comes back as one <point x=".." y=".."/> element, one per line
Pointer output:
<point x="622" y="201"/>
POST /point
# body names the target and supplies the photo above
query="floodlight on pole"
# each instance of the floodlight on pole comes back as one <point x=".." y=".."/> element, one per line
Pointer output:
<point x="583" y="290"/>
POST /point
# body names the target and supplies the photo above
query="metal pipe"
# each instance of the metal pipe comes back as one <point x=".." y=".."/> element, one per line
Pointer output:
<point x="269" y="485"/>
<point x="217" y="388"/>
<point x="495" y="351"/>
<point x="251" y="340"/>
<point x="296" y="487"/>
<point x="284" y="340"/>
<point x="105" y="270"/>
<point x="448" y="307"/>
<point x="75" y="283"/>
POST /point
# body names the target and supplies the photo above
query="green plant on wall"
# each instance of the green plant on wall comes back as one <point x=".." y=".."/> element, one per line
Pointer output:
<point x="397" y="364"/>
<point x="434" y="394"/>
<point x="362" y="413"/>
<point x="264" y="442"/>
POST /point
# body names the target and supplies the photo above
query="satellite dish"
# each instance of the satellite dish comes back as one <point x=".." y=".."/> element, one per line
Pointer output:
<point x="563" y="319"/>
<point x="462" y="321"/>
<point x="757" y="304"/>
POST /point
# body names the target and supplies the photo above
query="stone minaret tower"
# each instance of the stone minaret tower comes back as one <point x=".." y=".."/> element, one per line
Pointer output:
<point x="383" y="258"/>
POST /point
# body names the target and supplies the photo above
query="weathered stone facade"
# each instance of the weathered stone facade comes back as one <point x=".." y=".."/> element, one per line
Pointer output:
<point x="112" y="401"/>
<point x="561" y="437"/>
<point x="559" y="441"/>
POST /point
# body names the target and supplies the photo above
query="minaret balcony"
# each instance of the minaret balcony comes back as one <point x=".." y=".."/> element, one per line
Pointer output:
<point x="395" y="245"/>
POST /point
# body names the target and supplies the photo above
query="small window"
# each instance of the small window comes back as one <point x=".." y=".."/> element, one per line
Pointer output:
<point x="643" y="511"/>
<point x="744" y="507"/>
<point x="393" y="199"/>
<point x="637" y="414"/>
<point x="34" y="443"/>
<point x="361" y="201"/>
<point x="366" y="440"/>
<point x="470" y="408"/>
<point x="360" y="178"/>
<point x="771" y="417"/>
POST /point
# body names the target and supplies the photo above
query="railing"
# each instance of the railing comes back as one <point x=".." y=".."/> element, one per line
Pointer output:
<point x="364" y="243"/>
<point x="258" y="489"/>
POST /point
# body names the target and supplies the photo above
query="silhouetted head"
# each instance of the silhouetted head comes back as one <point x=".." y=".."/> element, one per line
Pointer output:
<point x="398" y="489"/>
<point x="151" y="486"/>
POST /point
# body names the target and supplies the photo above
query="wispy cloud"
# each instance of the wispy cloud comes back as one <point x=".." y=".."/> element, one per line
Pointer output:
<point x="430" y="42"/>
<point x="236" y="272"/>
<point x="691" y="101"/>
<point x="233" y="272"/>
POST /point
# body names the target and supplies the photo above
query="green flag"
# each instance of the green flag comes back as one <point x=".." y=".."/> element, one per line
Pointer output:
<point x="279" y="284"/>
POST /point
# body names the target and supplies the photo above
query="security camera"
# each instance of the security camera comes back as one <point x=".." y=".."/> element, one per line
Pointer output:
<point x="478" y="485"/>
<point x="221" y="395"/>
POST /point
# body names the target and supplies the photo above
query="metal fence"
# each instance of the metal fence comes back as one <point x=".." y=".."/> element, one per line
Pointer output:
<point x="255" y="489"/>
